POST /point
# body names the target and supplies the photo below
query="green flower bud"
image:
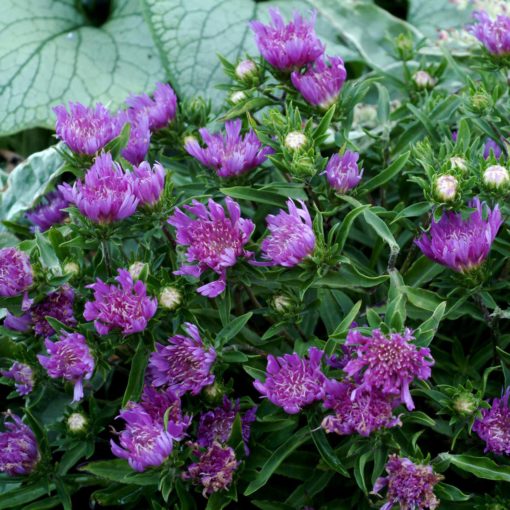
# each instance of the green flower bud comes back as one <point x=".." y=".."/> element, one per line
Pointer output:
<point x="465" y="404"/>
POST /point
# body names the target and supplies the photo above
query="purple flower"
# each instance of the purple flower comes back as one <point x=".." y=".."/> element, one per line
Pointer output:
<point x="491" y="145"/>
<point x="320" y="84"/>
<point x="293" y="382"/>
<point x="228" y="155"/>
<point x="183" y="365"/>
<point x="214" y="240"/>
<point x="144" y="442"/>
<point x="148" y="183"/>
<point x="216" y="425"/>
<point x="22" y="323"/>
<point x="343" y="172"/>
<point x="388" y="364"/>
<point x="462" y="244"/>
<point x="139" y="136"/>
<point x="160" y="110"/>
<point x="411" y="486"/>
<point x="291" y="238"/>
<point x="214" y="469"/>
<point x="494" y="426"/>
<point x="57" y="304"/>
<point x="366" y="412"/>
<point x="19" y="453"/>
<point x="15" y="272"/>
<point x="86" y="130"/>
<point x="23" y="377"/>
<point x="107" y="194"/>
<point x="290" y="46"/>
<point x="50" y="212"/>
<point x="493" y="34"/>
<point x="125" y="306"/>
<point x="69" y="358"/>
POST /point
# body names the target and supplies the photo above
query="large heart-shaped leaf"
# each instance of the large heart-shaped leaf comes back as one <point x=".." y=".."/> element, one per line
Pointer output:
<point x="49" y="53"/>
<point x="190" y="34"/>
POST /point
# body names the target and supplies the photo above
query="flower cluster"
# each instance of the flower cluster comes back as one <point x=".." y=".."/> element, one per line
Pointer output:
<point x="15" y="272"/>
<point x="23" y="377"/>
<point x="50" y="212"/>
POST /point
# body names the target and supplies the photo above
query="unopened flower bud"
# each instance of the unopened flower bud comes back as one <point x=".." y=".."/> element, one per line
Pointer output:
<point x="246" y="69"/>
<point x="465" y="404"/>
<point x="496" y="176"/>
<point x="213" y="393"/>
<point x="364" y="115"/>
<point x="404" y="45"/>
<point x="295" y="140"/>
<point x="71" y="268"/>
<point x="281" y="303"/>
<point x="459" y="163"/>
<point x="170" y="298"/>
<point x="237" y="96"/>
<point x="136" y="269"/>
<point x="77" y="423"/>
<point x="424" y="80"/>
<point x="480" y="102"/>
<point x="446" y="187"/>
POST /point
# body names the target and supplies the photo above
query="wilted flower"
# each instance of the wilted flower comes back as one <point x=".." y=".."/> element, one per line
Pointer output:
<point x="387" y="363"/>
<point x="50" y="212"/>
<point x="320" y="84"/>
<point x="293" y="382"/>
<point x="148" y="183"/>
<point x="424" y="80"/>
<point x="214" y="469"/>
<point x="495" y="176"/>
<point x="491" y="146"/>
<point x="214" y="240"/>
<point x="69" y="358"/>
<point x="343" y="172"/>
<point x="126" y="307"/>
<point x="23" y="377"/>
<point x="366" y="412"/>
<point x="15" y="272"/>
<point x="445" y="187"/>
<point x="411" y="486"/>
<point x="216" y="425"/>
<point x="19" y="453"/>
<point x="183" y="365"/>
<point x="295" y="140"/>
<point x="170" y="298"/>
<point x="245" y="69"/>
<point x="462" y="244"/>
<point x="290" y="46"/>
<point x="86" y="130"/>
<point x="493" y="34"/>
<point x="59" y="305"/>
<point x="139" y="136"/>
<point x="160" y="110"/>
<point x="494" y="426"/>
<point x="231" y="154"/>
<point x="107" y="194"/>
<point x="291" y="238"/>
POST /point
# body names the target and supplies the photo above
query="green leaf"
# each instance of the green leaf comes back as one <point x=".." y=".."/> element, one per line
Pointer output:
<point x="28" y="182"/>
<point x="347" y="222"/>
<point x="326" y="452"/>
<point x="72" y="456"/>
<point x="359" y="470"/>
<point x="387" y="174"/>
<point x="276" y="458"/>
<point x="118" y="470"/>
<point x="23" y="495"/>
<point x="47" y="254"/>
<point x="255" y="195"/>
<point x="481" y="467"/>
<point x="50" y="54"/>
<point x="427" y="330"/>
<point x="447" y="492"/>
<point x="136" y="374"/>
<point x="232" y="329"/>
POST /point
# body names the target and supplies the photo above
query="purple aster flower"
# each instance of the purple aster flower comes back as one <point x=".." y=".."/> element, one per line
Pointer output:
<point x="293" y="382"/>
<point x="493" y="34"/>
<point x="366" y="412"/>
<point x="388" y="364"/>
<point x="214" y="240"/>
<point x="107" y="194"/>
<point x="144" y="442"/>
<point x="462" y="244"/>
<point x="57" y="304"/>
<point x="22" y="323"/>
<point x="491" y="146"/>
<point x="338" y="361"/>
<point x="214" y="469"/>
<point x="23" y="377"/>
<point x="69" y="358"/>
<point x="125" y="306"/>
<point x="290" y="46"/>
<point x="139" y="136"/>
<point x="228" y="155"/>
<point x="86" y="130"/>
<point x="50" y="212"/>
<point x="160" y="110"/>
<point x="216" y="425"/>
<point x="320" y="84"/>
<point x="148" y="183"/>
<point x="410" y="485"/>
<point x="184" y="364"/>
<point x="291" y="238"/>
<point x="494" y="426"/>
<point x="15" y="272"/>
<point x="343" y="172"/>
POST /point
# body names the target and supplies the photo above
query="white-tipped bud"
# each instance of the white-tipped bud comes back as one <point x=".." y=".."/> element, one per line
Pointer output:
<point x="136" y="268"/>
<point x="458" y="163"/>
<point x="77" y="423"/>
<point x="170" y="298"/>
<point x="424" y="80"/>
<point x="237" y="96"/>
<point x="71" y="268"/>
<point x="245" y="69"/>
<point x="364" y="115"/>
<point x="496" y="176"/>
<point x="465" y="404"/>
<point x="295" y="140"/>
<point x="446" y="187"/>
<point x="281" y="303"/>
